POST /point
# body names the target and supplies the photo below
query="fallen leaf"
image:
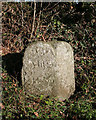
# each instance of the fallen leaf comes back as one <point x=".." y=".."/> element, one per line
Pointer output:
<point x="36" y="114"/>
<point x="2" y="106"/>
<point x="62" y="113"/>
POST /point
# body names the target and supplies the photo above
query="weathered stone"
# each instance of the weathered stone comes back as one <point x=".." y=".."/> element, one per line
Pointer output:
<point x="48" y="69"/>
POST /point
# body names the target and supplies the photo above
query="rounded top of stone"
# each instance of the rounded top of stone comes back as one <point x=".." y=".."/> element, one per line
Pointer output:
<point x="54" y="44"/>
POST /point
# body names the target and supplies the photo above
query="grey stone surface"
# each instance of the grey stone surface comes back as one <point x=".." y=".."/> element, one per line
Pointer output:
<point x="48" y="69"/>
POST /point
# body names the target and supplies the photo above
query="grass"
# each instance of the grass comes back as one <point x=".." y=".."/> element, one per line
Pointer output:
<point x="15" y="105"/>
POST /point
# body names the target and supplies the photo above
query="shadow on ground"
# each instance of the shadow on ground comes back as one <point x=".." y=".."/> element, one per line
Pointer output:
<point x="12" y="63"/>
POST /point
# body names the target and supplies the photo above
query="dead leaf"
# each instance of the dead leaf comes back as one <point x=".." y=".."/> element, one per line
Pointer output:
<point x="2" y="106"/>
<point x="36" y="114"/>
<point x="62" y="113"/>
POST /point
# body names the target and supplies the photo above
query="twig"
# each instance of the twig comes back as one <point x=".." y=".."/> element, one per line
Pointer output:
<point x="22" y="15"/>
<point x="33" y="20"/>
<point x="39" y="19"/>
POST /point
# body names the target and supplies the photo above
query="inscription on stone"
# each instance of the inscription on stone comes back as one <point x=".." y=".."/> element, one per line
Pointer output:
<point x="48" y="69"/>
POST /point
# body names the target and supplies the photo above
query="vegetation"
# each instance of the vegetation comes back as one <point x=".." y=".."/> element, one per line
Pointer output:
<point x="23" y="23"/>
